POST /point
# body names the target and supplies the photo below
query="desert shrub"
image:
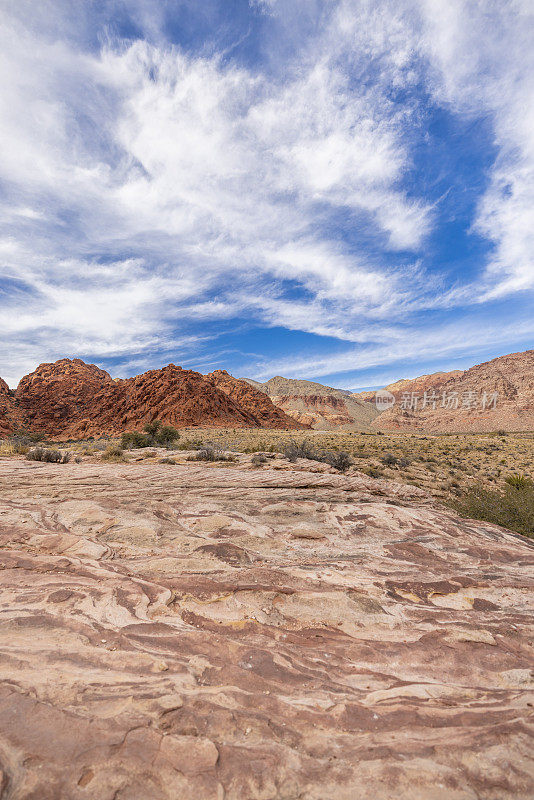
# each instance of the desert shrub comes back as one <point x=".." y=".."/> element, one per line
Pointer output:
<point x="20" y="448"/>
<point x="12" y="446"/>
<point x="133" y="440"/>
<point x="338" y="459"/>
<point x="166" y="461"/>
<point x="205" y="454"/>
<point x="155" y="435"/>
<point x="158" y="434"/>
<point x="166" y="436"/>
<point x="260" y="447"/>
<point x="257" y="459"/>
<point x="403" y="462"/>
<point x="389" y="460"/>
<point x="152" y="428"/>
<point x="512" y="509"/>
<point x="210" y="453"/>
<point x="28" y="437"/>
<point x="113" y="453"/>
<point x="48" y="455"/>
<point x="293" y="450"/>
<point x="518" y="481"/>
<point x="373" y="472"/>
<point x="190" y="444"/>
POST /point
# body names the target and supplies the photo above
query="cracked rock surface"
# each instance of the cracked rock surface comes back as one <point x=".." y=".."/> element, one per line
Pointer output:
<point x="210" y="633"/>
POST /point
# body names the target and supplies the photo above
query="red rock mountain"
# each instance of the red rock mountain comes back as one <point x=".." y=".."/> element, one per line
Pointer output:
<point x="509" y="379"/>
<point x="55" y="397"/>
<point x="73" y="399"/>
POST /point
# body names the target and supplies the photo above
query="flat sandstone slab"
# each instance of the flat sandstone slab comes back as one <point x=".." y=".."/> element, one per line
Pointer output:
<point x="212" y="633"/>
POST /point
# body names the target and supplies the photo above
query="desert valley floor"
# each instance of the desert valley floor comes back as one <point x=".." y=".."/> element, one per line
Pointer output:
<point x="219" y="632"/>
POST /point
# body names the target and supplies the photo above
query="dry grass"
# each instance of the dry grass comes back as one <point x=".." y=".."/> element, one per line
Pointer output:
<point x="426" y="460"/>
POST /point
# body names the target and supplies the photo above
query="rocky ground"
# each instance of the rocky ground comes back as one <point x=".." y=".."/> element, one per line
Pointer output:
<point x="225" y="632"/>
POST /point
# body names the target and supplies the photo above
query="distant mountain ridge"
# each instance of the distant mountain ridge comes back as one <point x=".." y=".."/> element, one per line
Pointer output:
<point x="494" y="395"/>
<point x="510" y="378"/>
<point x="319" y="406"/>
<point x="72" y="399"/>
<point x="421" y="383"/>
<point x="279" y="386"/>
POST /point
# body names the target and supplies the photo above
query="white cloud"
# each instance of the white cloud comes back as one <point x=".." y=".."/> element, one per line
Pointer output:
<point x="483" y="63"/>
<point x="149" y="188"/>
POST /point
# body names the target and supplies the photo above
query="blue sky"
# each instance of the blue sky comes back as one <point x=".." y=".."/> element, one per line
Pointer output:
<point x="341" y="191"/>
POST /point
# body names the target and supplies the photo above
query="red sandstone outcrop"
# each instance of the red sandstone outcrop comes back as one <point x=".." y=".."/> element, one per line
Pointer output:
<point x="8" y="414"/>
<point x="73" y="399"/>
<point x="197" y="633"/>
<point x="257" y="402"/>
<point x="55" y="397"/>
<point x="498" y="394"/>
<point x="174" y="395"/>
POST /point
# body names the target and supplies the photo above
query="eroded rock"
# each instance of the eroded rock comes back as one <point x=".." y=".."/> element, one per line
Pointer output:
<point x="165" y="634"/>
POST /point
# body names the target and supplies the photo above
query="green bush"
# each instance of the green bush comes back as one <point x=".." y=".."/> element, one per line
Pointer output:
<point x="339" y="459"/>
<point x="133" y="440"/>
<point x="293" y="450"/>
<point x="166" y="436"/>
<point x="513" y="508"/>
<point x="518" y="481"/>
<point x="155" y="435"/>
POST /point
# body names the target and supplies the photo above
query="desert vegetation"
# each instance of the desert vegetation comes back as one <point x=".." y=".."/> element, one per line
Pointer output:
<point x="483" y="476"/>
<point x="511" y="507"/>
<point x="154" y="434"/>
<point x="339" y="459"/>
<point x="48" y="455"/>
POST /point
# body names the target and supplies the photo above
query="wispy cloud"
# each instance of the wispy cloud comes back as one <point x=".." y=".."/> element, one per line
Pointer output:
<point x="151" y="186"/>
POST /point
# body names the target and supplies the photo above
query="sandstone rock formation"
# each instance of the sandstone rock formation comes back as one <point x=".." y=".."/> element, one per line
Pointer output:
<point x="460" y="399"/>
<point x="205" y="633"/>
<point x="172" y="394"/>
<point x="254" y="400"/>
<point x="9" y="418"/>
<point x="73" y="399"/>
<point x="56" y="397"/>
<point x="321" y="407"/>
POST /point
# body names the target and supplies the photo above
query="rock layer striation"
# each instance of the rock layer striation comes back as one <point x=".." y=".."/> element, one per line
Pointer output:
<point x="215" y="632"/>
